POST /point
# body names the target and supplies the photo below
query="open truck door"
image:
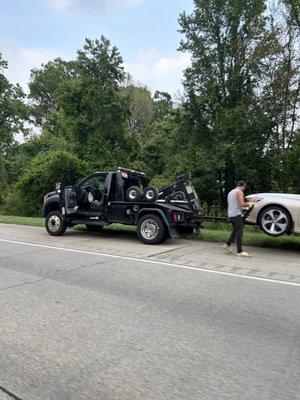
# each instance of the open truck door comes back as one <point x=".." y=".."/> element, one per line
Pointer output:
<point x="68" y="193"/>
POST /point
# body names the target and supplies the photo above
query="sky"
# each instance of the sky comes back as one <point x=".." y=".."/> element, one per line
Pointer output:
<point x="33" y="32"/>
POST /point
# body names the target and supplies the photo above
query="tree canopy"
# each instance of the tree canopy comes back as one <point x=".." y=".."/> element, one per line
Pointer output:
<point x="238" y="117"/>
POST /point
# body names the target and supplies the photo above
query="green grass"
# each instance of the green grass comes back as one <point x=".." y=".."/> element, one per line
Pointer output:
<point x="31" y="221"/>
<point x="211" y="233"/>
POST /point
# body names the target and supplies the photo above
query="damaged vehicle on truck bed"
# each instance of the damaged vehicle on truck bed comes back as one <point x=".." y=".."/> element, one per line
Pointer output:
<point x="125" y="197"/>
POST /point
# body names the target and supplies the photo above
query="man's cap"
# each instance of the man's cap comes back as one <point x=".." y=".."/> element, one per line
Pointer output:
<point x="241" y="183"/>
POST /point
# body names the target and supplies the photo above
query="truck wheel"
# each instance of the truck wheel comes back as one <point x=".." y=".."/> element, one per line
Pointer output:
<point x="151" y="229"/>
<point x="275" y="221"/>
<point x="133" y="193"/>
<point x="151" y="194"/>
<point x="54" y="224"/>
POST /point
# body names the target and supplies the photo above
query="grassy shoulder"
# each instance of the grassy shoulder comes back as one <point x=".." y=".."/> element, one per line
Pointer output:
<point x="211" y="233"/>
<point x="31" y="221"/>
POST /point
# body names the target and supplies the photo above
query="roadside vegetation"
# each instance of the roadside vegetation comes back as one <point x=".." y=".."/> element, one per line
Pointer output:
<point x="210" y="233"/>
<point x="237" y="118"/>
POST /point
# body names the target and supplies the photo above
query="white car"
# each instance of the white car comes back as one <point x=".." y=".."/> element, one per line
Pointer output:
<point x="275" y="213"/>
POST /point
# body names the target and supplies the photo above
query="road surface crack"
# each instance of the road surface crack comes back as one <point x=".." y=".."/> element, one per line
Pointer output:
<point x="168" y="251"/>
<point x="9" y="393"/>
<point x="26" y="254"/>
<point x="51" y="276"/>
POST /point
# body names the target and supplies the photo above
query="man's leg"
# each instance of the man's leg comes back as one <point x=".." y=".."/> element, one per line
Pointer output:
<point x="239" y="226"/>
<point x="233" y="233"/>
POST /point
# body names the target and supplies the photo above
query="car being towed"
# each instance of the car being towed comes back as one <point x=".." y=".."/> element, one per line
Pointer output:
<point x="275" y="213"/>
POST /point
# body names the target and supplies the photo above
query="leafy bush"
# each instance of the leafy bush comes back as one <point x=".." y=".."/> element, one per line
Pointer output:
<point x="26" y="195"/>
<point x="25" y="152"/>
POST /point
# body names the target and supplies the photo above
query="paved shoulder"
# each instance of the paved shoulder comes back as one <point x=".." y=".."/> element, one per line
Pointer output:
<point x="266" y="263"/>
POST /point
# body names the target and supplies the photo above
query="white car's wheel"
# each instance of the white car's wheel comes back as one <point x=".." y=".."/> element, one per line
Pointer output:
<point x="275" y="221"/>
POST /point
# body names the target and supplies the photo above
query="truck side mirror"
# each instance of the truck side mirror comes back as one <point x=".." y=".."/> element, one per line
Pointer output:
<point x="57" y="186"/>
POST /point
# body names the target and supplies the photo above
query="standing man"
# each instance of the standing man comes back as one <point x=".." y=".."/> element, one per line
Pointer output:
<point x="236" y="201"/>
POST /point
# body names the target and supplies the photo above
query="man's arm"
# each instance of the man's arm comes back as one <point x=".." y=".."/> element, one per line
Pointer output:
<point x="241" y="199"/>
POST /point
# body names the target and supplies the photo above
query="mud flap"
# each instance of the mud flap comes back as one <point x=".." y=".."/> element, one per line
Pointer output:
<point x="173" y="232"/>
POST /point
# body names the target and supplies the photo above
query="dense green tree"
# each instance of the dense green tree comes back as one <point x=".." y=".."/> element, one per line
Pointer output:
<point x="12" y="110"/>
<point x="163" y="105"/>
<point x="147" y="111"/>
<point x="141" y="110"/>
<point x="13" y="113"/>
<point x="294" y="10"/>
<point x="293" y="164"/>
<point x="83" y="101"/>
<point x="239" y="117"/>
<point x="154" y="151"/>
<point x="26" y="195"/>
<point x="231" y="46"/>
<point x="280" y="99"/>
<point x="45" y="85"/>
<point x="23" y="153"/>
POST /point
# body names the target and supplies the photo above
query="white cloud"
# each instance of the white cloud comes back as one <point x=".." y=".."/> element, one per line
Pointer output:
<point x="146" y="55"/>
<point x="167" y="65"/>
<point x="21" y="60"/>
<point x="149" y="66"/>
<point x="61" y="4"/>
<point x="159" y="72"/>
<point x="68" y="5"/>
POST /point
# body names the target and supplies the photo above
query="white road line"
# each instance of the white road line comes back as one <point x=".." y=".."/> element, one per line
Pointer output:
<point x="257" y="278"/>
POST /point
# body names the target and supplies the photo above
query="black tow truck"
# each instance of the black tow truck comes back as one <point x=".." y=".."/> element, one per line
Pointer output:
<point x="123" y="196"/>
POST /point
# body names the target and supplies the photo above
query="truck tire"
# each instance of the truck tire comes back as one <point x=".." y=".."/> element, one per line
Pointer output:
<point x="151" y="194"/>
<point x="133" y="193"/>
<point x="54" y="224"/>
<point x="151" y="229"/>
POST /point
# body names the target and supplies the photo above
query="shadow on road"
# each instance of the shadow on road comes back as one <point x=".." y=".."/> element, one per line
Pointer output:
<point x="105" y="233"/>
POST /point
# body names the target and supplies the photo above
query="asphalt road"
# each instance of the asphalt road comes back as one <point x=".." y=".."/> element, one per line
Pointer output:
<point x="77" y="323"/>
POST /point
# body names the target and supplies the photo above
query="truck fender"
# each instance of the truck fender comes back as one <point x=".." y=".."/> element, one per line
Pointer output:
<point x="51" y="205"/>
<point x="152" y="211"/>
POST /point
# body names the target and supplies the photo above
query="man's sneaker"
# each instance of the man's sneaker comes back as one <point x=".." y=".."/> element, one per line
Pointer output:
<point x="228" y="248"/>
<point x="243" y="254"/>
